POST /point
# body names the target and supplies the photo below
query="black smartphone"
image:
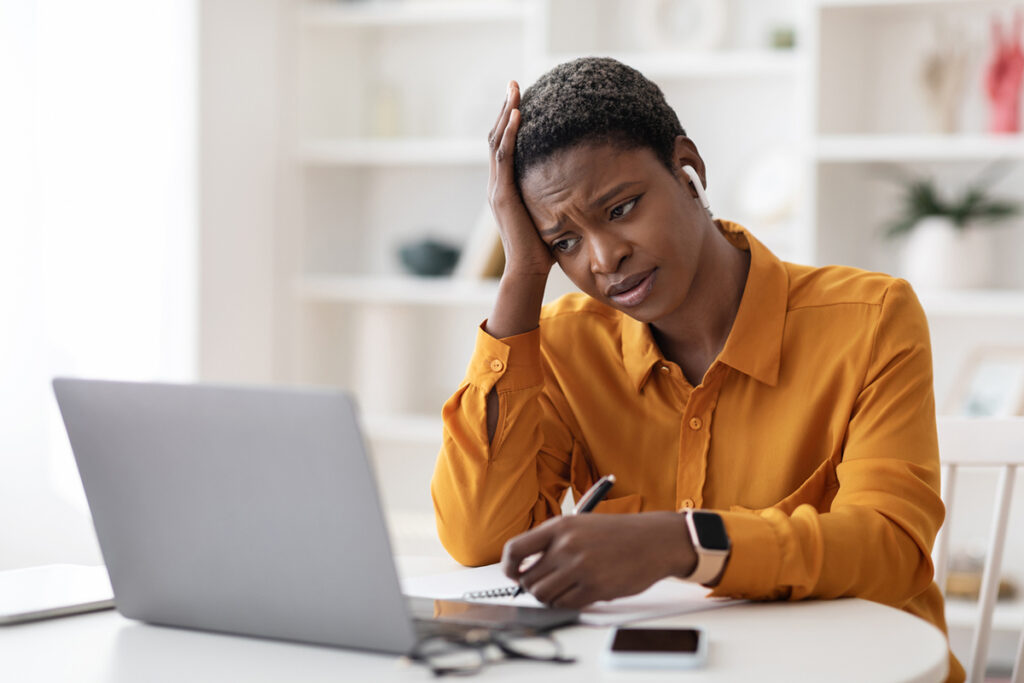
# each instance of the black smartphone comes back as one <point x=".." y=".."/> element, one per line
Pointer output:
<point x="656" y="648"/>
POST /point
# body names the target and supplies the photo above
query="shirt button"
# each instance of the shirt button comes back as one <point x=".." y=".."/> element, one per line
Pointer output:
<point x="687" y="504"/>
<point x="497" y="365"/>
<point x="664" y="369"/>
<point x="695" y="423"/>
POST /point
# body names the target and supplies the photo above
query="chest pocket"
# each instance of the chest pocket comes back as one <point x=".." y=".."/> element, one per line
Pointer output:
<point x="632" y="502"/>
<point x="818" y="491"/>
<point x="583" y="475"/>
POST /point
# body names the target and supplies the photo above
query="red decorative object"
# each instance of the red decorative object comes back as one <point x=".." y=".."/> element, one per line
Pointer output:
<point x="1003" y="77"/>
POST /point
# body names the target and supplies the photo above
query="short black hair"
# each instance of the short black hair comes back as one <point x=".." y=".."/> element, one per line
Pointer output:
<point x="593" y="100"/>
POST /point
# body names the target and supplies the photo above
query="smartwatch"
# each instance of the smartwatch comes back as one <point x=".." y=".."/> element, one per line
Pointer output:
<point x="710" y="542"/>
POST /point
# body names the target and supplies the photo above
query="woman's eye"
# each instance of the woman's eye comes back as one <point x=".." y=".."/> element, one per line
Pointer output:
<point x="622" y="209"/>
<point x="566" y="244"/>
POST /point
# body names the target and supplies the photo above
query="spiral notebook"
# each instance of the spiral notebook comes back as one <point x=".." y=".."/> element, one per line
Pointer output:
<point x="489" y="583"/>
<point x="503" y="592"/>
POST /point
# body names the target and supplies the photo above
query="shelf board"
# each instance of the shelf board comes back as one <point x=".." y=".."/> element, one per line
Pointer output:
<point x="909" y="4"/>
<point x="905" y="148"/>
<point x="713" y="64"/>
<point x="406" y="428"/>
<point x="401" y="14"/>
<point x="397" y="289"/>
<point x="446" y="291"/>
<point x="973" y="303"/>
<point x="400" y="152"/>
<point x="1007" y="616"/>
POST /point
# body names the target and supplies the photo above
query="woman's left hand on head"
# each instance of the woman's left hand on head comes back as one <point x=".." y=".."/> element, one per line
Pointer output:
<point x="586" y="558"/>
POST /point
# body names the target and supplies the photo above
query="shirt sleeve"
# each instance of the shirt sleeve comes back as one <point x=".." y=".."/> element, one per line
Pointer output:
<point x="875" y="540"/>
<point x="487" y="492"/>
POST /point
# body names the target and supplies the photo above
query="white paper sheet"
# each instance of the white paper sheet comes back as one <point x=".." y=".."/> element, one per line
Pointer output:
<point x="665" y="598"/>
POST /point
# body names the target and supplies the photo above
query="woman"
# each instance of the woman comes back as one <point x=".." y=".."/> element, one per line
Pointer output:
<point x="791" y="406"/>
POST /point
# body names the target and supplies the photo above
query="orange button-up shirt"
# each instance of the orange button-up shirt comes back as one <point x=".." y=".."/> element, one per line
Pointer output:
<point x="812" y="433"/>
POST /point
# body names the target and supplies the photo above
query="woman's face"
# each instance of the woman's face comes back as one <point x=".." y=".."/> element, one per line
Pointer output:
<point x="625" y="229"/>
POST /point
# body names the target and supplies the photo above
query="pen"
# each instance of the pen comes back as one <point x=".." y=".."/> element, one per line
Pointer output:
<point x="594" y="495"/>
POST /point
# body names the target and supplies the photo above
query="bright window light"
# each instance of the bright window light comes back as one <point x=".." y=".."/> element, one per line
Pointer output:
<point x="98" y="216"/>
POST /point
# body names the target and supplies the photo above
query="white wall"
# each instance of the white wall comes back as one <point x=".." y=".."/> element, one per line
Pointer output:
<point x="97" y="236"/>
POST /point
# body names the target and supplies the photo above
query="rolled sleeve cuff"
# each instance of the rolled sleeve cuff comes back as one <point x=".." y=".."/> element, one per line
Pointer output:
<point x="754" y="559"/>
<point x="511" y="364"/>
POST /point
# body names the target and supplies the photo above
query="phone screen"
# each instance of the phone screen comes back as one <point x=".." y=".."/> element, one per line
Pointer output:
<point x="681" y="640"/>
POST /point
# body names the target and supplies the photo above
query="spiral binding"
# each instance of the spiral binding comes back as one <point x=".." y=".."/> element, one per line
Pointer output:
<point x="503" y="592"/>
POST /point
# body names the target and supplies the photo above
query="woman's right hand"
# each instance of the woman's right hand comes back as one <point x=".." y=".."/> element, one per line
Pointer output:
<point x="528" y="260"/>
<point x="526" y="255"/>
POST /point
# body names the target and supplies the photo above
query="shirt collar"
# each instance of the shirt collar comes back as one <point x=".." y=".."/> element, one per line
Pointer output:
<point x="754" y="345"/>
<point x="640" y="353"/>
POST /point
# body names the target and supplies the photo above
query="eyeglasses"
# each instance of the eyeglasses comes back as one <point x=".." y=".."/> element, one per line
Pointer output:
<point x="468" y="653"/>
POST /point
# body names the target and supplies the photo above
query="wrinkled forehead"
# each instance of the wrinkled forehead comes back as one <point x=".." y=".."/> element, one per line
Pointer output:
<point x="579" y="172"/>
<point x="580" y="175"/>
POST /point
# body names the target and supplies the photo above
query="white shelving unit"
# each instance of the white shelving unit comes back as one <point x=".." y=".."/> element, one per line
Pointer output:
<point x="393" y="100"/>
<point x="380" y="141"/>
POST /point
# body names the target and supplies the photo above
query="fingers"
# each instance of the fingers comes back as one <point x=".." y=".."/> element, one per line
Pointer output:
<point x="522" y="546"/>
<point x="576" y="597"/>
<point x="504" y="154"/>
<point x="539" y="564"/>
<point x="551" y="577"/>
<point x="499" y="124"/>
<point x="560" y="582"/>
<point x="498" y="133"/>
<point x="550" y="588"/>
<point x="542" y="562"/>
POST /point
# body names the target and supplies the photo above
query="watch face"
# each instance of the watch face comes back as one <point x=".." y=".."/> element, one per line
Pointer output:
<point x="710" y="531"/>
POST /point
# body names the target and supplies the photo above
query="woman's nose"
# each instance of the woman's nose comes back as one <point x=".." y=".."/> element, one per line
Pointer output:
<point x="607" y="252"/>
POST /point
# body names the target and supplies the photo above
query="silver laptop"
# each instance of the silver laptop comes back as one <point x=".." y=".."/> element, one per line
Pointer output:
<point x="247" y="510"/>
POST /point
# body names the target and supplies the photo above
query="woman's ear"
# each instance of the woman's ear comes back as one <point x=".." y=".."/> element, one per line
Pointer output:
<point x="690" y="169"/>
<point x="697" y="185"/>
<point x="685" y="154"/>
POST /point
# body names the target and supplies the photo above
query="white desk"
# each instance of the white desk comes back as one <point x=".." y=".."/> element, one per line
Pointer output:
<point x="842" y="640"/>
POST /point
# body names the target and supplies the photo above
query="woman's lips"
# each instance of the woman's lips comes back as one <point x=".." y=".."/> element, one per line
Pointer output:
<point x="636" y="294"/>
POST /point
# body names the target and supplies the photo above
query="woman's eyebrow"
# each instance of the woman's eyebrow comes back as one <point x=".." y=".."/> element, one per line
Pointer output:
<point x="603" y="199"/>
<point x="552" y="230"/>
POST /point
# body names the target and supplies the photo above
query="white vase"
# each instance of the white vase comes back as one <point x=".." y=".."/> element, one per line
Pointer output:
<point x="938" y="255"/>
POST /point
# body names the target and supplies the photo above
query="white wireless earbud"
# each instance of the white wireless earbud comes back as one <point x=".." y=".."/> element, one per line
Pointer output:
<point x="695" y="181"/>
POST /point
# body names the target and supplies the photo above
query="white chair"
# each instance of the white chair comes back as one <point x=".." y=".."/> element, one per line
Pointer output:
<point x="996" y="443"/>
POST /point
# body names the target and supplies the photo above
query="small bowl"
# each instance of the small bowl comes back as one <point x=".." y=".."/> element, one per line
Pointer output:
<point x="429" y="257"/>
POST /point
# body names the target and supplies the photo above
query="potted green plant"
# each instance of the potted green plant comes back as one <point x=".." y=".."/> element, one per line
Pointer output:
<point x="944" y="247"/>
